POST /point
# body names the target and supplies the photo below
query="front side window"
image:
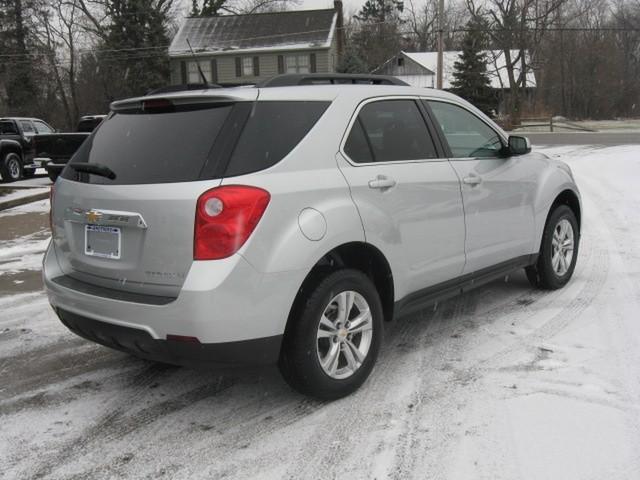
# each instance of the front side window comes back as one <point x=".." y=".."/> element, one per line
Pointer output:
<point x="42" y="127"/>
<point x="390" y="130"/>
<point x="193" y="75"/>
<point x="467" y="135"/>
<point x="297" y="63"/>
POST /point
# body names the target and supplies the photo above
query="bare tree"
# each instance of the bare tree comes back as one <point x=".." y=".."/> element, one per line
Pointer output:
<point x="516" y="27"/>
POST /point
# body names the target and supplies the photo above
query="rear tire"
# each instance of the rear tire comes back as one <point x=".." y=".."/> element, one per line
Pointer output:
<point x="11" y="167"/>
<point x="28" y="172"/>
<point x="558" y="251"/>
<point x="334" y="338"/>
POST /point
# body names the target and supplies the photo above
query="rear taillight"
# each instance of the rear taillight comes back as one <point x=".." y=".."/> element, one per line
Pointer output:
<point x="51" y="192"/>
<point x="225" y="218"/>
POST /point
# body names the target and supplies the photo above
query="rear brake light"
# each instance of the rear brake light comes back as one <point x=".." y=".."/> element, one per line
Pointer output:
<point x="225" y="218"/>
<point x="159" y="104"/>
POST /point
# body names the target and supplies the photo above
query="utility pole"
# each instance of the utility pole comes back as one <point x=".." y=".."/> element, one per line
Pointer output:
<point x="440" y="44"/>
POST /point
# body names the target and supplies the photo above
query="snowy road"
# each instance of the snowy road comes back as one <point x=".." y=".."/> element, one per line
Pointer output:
<point x="503" y="383"/>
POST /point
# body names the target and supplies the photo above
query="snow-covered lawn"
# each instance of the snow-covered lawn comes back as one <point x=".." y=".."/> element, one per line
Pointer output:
<point x="502" y="383"/>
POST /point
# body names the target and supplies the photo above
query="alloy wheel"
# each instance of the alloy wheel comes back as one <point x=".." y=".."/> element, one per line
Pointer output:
<point x="562" y="245"/>
<point x="344" y="334"/>
<point x="14" y="168"/>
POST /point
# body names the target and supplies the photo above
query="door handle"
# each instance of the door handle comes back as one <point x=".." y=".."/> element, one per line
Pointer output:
<point x="382" y="183"/>
<point x="472" y="179"/>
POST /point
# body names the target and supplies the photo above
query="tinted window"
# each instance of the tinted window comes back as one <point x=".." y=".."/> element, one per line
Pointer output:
<point x="88" y="125"/>
<point x="467" y="135"/>
<point x="42" y="127"/>
<point x="272" y="131"/>
<point x="357" y="146"/>
<point x="26" y="126"/>
<point x="152" y="147"/>
<point x="7" y="127"/>
<point x="396" y="131"/>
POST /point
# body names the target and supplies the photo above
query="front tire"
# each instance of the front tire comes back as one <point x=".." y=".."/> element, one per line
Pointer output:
<point x="332" y="345"/>
<point x="558" y="251"/>
<point x="11" y="167"/>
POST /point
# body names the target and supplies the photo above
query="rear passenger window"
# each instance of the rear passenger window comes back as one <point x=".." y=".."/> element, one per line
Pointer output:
<point x="272" y="131"/>
<point x="395" y="131"/>
<point x="357" y="146"/>
<point x="27" y="127"/>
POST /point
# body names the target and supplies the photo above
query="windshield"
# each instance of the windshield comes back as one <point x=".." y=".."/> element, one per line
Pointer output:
<point x="143" y="148"/>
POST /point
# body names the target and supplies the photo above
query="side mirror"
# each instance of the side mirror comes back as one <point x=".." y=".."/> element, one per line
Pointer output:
<point x="519" y="145"/>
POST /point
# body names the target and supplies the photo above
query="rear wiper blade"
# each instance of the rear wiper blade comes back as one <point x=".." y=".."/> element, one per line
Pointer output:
<point x="95" y="168"/>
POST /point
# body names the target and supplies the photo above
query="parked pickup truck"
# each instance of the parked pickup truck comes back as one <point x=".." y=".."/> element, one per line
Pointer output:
<point x="17" y="146"/>
<point x="54" y="150"/>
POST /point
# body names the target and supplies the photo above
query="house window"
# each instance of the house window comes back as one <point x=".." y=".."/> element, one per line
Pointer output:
<point x="247" y="66"/>
<point x="193" y="76"/>
<point x="297" y="63"/>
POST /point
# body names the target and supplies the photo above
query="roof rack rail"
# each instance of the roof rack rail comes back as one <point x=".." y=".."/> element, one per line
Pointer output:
<point x="183" y="87"/>
<point x="295" y="79"/>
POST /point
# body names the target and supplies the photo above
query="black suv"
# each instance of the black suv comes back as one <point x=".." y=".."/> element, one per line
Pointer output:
<point x="17" y="146"/>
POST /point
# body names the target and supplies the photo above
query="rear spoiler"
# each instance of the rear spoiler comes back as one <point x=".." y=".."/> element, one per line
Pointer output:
<point x="191" y="97"/>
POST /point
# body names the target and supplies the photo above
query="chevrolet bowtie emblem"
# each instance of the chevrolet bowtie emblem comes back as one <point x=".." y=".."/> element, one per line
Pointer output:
<point x="93" y="216"/>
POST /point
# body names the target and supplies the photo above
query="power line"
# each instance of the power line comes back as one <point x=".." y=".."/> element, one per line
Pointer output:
<point x="26" y="57"/>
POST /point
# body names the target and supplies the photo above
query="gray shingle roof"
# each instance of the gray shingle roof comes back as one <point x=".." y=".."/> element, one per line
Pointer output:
<point x="295" y="29"/>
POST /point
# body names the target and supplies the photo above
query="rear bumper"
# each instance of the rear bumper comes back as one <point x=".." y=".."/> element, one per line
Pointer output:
<point x="227" y="305"/>
<point x="189" y="353"/>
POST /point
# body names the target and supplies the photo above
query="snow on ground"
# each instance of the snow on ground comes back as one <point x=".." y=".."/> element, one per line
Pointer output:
<point x="505" y="382"/>
<point x="8" y="194"/>
<point x="24" y="253"/>
<point x="41" y="206"/>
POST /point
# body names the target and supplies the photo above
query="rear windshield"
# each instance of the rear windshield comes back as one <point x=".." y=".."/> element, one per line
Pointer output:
<point x="151" y="147"/>
<point x="181" y="146"/>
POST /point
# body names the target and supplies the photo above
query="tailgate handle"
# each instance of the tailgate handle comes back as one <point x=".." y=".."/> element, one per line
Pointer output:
<point x="104" y="217"/>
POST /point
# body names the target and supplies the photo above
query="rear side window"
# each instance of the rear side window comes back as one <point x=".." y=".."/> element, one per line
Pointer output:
<point x="88" y="125"/>
<point x="26" y="126"/>
<point x="273" y="129"/>
<point x="7" y="127"/>
<point x="158" y="147"/>
<point x="394" y="129"/>
<point x="357" y="145"/>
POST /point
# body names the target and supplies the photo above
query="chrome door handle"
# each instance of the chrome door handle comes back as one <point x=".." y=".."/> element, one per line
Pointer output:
<point x="472" y="179"/>
<point x="382" y="183"/>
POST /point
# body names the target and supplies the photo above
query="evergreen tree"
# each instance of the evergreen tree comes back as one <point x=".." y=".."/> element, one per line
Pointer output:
<point x="19" y="66"/>
<point x="132" y="58"/>
<point x="377" y="35"/>
<point x="471" y="80"/>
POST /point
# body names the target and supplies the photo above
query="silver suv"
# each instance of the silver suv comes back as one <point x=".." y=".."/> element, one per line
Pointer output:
<point x="289" y="221"/>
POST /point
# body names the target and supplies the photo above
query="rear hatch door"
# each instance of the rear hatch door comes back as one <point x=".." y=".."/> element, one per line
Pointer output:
<point x="134" y="232"/>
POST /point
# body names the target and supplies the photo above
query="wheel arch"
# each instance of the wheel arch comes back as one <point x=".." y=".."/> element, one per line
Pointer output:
<point x="569" y="198"/>
<point x="10" y="146"/>
<point x="360" y="256"/>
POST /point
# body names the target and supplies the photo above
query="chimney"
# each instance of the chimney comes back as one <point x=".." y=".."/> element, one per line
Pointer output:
<point x="337" y="5"/>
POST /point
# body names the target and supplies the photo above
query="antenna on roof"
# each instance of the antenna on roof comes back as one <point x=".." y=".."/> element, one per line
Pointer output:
<point x="204" y="79"/>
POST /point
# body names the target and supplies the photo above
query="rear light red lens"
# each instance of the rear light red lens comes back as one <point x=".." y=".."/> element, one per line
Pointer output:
<point x="225" y="218"/>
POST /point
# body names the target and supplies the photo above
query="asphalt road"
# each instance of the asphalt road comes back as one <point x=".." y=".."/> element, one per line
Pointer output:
<point x="608" y="139"/>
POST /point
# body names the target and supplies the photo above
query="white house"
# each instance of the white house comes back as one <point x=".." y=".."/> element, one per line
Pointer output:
<point x="418" y="68"/>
